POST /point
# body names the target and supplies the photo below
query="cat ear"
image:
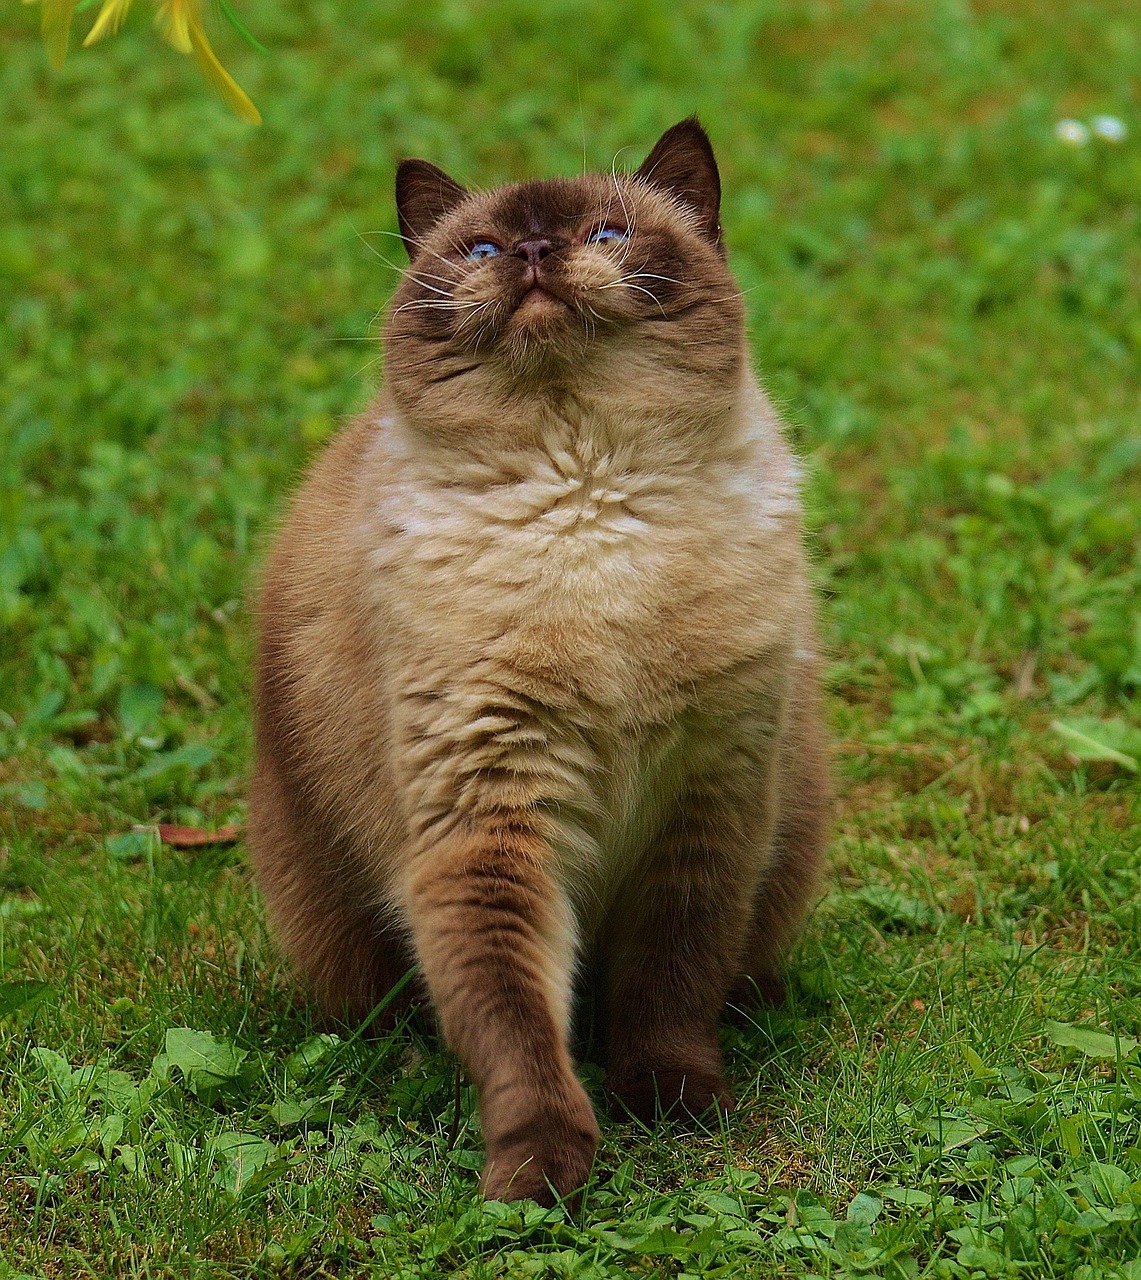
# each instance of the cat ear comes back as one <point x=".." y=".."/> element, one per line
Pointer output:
<point x="423" y="195"/>
<point x="682" y="164"/>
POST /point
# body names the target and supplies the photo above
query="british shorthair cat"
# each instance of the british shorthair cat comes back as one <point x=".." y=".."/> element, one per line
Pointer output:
<point x="537" y="681"/>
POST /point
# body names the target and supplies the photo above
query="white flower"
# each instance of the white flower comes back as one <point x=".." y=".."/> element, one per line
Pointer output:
<point x="1109" y="128"/>
<point x="1072" y="132"/>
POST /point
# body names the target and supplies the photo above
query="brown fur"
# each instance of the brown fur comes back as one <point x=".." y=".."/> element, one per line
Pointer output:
<point x="537" y="674"/>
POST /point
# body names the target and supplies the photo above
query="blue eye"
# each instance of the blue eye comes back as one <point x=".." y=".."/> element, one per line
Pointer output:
<point x="483" y="249"/>
<point x="607" y="235"/>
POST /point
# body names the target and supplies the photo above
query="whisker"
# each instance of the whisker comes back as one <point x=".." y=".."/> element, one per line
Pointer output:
<point x="621" y="200"/>
<point x="649" y="275"/>
<point x="625" y="284"/>
<point x="360" y="235"/>
<point x="368" y="365"/>
<point x="443" y="292"/>
<point x="430" y="304"/>
<point x="429" y="275"/>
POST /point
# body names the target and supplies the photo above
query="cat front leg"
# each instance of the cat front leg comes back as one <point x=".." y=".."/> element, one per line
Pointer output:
<point x="495" y="937"/>
<point x="673" y="953"/>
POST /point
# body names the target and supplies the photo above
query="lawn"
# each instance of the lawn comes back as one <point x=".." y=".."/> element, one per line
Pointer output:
<point x="943" y="298"/>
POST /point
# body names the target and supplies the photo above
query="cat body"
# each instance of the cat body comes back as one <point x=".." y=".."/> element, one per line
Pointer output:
<point x="537" y="674"/>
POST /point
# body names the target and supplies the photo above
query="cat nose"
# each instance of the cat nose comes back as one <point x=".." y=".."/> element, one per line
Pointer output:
<point x="532" y="251"/>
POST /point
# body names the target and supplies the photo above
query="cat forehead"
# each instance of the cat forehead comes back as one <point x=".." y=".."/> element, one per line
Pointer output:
<point x="552" y="205"/>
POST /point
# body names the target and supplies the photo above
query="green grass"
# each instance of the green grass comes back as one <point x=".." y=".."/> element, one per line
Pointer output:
<point x="943" y="299"/>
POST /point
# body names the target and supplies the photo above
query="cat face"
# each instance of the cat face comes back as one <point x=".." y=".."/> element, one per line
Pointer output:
<point x="553" y="281"/>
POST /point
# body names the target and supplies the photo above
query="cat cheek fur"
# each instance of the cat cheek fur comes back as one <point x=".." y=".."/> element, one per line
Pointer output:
<point x="537" y="703"/>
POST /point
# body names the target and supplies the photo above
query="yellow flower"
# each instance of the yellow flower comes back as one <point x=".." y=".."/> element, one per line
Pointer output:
<point x="109" y="21"/>
<point x="55" y="23"/>
<point x="179" y="21"/>
<point x="174" y="18"/>
<point x="232" y="93"/>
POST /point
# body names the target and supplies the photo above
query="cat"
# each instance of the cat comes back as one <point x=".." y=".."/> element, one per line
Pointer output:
<point x="537" y="692"/>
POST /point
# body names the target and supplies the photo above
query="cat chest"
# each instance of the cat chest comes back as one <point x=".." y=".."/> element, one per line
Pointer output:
<point x="639" y="782"/>
<point x="643" y="780"/>
<point x="601" y="583"/>
<point x="555" y="529"/>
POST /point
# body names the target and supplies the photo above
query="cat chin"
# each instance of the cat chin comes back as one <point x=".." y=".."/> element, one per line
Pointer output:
<point x="538" y="305"/>
<point x="542" y="328"/>
<point x="542" y="309"/>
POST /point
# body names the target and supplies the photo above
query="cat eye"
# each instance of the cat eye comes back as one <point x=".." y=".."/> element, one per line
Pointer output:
<point x="483" y="249"/>
<point x="607" y="235"/>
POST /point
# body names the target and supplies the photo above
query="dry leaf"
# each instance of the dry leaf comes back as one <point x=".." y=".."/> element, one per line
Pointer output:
<point x="191" y="837"/>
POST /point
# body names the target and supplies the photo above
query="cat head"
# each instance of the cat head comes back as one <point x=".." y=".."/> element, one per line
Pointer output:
<point x="553" y="284"/>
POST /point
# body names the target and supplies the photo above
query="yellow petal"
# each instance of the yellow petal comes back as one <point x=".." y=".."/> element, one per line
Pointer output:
<point x="55" y="23"/>
<point x="232" y="93"/>
<point x="109" y="21"/>
<point x="174" y="19"/>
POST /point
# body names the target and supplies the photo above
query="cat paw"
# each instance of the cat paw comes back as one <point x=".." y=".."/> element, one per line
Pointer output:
<point x="669" y="1093"/>
<point x="541" y="1167"/>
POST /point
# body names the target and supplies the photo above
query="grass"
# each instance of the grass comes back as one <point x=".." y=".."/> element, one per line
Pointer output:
<point x="943" y="299"/>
